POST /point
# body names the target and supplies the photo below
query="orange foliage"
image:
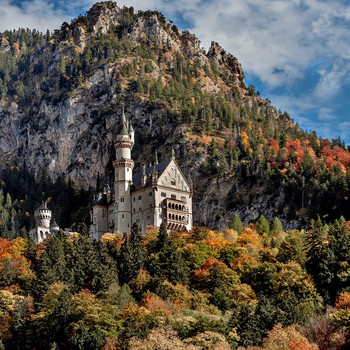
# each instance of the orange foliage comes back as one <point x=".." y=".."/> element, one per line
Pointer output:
<point x="112" y="239"/>
<point x="110" y="343"/>
<point x="216" y="242"/>
<point x="243" y="262"/>
<point x="299" y="345"/>
<point x="245" y="139"/>
<point x="343" y="301"/>
<point x="274" y="144"/>
<point x="159" y="306"/>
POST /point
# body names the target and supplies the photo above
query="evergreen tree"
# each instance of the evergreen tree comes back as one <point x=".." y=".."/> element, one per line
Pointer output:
<point x="276" y="226"/>
<point x="132" y="255"/>
<point x="262" y="225"/>
<point x="167" y="262"/>
<point x="237" y="224"/>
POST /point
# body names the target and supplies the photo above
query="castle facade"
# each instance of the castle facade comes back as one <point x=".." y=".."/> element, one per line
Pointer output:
<point x="157" y="194"/>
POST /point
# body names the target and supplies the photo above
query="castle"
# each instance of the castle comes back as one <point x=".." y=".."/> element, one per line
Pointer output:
<point x="43" y="228"/>
<point x="157" y="194"/>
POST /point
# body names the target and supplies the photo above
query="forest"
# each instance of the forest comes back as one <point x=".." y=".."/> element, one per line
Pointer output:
<point x="256" y="287"/>
<point x="250" y="286"/>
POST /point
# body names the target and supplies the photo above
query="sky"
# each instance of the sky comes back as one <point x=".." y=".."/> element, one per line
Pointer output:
<point x="295" y="52"/>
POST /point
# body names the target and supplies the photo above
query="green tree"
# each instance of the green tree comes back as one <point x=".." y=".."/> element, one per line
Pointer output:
<point x="167" y="262"/>
<point x="132" y="255"/>
<point x="262" y="225"/>
<point x="237" y="224"/>
<point x="276" y="226"/>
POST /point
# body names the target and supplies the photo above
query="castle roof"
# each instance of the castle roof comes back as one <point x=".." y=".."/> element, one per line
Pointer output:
<point x="136" y="179"/>
<point x="43" y="206"/>
<point x="101" y="200"/>
<point x="54" y="225"/>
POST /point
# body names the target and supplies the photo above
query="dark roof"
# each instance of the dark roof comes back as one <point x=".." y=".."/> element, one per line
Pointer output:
<point x="136" y="179"/>
<point x="101" y="201"/>
<point x="43" y="206"/>
<point x="54" y="224"/>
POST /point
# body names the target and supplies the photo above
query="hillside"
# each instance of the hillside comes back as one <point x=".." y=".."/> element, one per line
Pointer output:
<point x="61" y="100"/>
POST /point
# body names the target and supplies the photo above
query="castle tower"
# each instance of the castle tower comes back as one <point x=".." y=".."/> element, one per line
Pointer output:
<point x="123" y="166"/>
<point x="42" y="216"/>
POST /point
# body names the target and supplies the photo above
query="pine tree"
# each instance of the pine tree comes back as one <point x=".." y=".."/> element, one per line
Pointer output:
<point x="262" y="225"/>
<point x="167" y="262"/>
<point x="276" y="226"/>
<point x="237" y="224"/>
<point x="132" y="255"/>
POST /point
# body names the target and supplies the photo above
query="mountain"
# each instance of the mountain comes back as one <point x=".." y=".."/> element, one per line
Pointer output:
<point x="62" y="96"/>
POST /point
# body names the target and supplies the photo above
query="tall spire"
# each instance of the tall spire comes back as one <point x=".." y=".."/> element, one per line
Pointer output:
<point x="156" y="158"/>
<point x="123" y="130"/>
<point x="172" y="153"/>
<point x="189" y="178"/>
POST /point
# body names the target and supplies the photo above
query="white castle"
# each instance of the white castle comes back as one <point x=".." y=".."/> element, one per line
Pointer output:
<point x="159" y="193"/>
<point x="43" y="228"/>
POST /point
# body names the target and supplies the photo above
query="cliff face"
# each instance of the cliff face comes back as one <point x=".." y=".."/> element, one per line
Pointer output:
<point x="77" y="81"/>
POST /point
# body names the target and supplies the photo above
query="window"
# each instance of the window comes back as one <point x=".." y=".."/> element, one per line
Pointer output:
<point x="173" y="182"/>
<point x="173" y="196"/>
<point x="140" y="209"/>
<point x="163" y="194"/>
<point x="150" y="194"/>
<point x="122" y="216"/>
<point x="122" y="199"/>
<point x="133" y="198"/>
<point x="140" y="197"/>
<point x="183" y="198"/>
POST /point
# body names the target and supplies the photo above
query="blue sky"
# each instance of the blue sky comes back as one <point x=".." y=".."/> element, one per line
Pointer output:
<point x="296" y="52"/>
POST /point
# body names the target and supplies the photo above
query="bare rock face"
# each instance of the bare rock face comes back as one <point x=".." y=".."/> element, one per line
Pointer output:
<point x="102" y="15"/>
<point x="4" y="45"/>
<point x="226" y="62"/>
<point x="74" y="134"/>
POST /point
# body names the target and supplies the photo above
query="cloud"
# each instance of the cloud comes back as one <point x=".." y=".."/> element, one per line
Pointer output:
<point x="38" y="14"/>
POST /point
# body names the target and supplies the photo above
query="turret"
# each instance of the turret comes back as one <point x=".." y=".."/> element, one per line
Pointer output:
<point x="54" y="228"/>
<point x="143" y="176"/>
<point x="131" y="132"/>
<point x="123" y="166"/>
<point x="42" y="216"/>
<point x="154" y="175"/>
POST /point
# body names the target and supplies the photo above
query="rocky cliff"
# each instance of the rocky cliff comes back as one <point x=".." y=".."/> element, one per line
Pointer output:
<point x="64" y="101"/>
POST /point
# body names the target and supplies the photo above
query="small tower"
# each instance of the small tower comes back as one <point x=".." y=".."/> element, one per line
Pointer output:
<point x="123" y="166"/>
<point x="42" y="216"/>
<point x="54" y="228"/>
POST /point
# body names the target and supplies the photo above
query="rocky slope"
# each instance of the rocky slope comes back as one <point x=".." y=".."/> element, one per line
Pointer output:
<point x="76" y="82"/>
